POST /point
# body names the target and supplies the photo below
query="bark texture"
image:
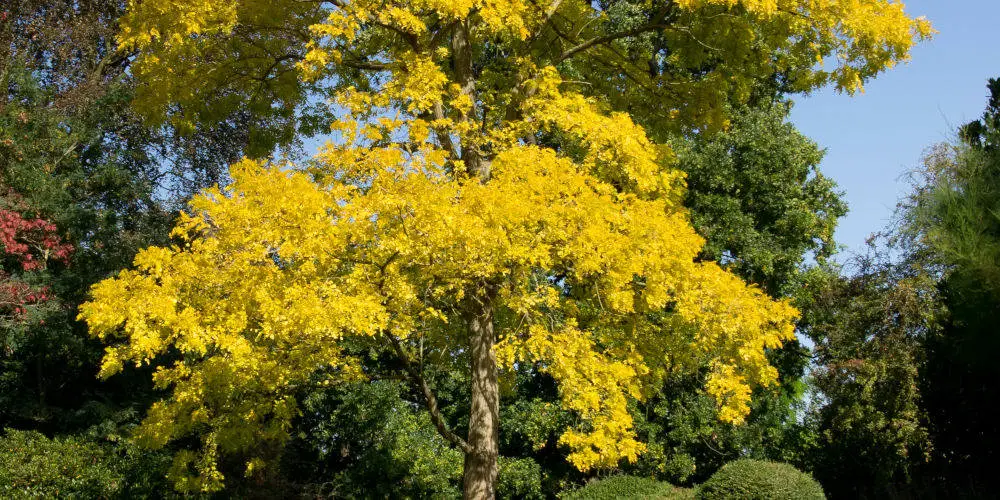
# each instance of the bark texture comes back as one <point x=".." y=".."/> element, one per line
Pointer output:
<point x="484" y="418"/>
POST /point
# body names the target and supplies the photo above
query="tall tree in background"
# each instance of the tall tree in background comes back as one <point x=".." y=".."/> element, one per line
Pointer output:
<point x="756" y="193"/>
<point x="69" y="156"/>
<point x="904" y="341"/>
<point x="869" y="321"/>
<point x="74" y="153"/>
<point x="435" y="230"/>
<point x="954" y="216"/>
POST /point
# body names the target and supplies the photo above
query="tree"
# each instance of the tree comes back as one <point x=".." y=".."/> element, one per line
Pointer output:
<point x="27" y="245"/>
<point x="904" y="344"/>
<point x="952" y="217"/>
<point x="757" y="196"/>
<point x="869" y="329"/>
<point x="438" y="226"/>
<point x="78" y="156"/>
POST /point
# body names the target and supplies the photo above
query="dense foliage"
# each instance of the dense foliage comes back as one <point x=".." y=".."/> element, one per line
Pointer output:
<point x="903" y="336"/>
<point x="74" y="154"/>
<point x="953" y="218"/>
<point x="90" y="465"/>
<point x="83" y="185"/>
<point x="756" y="195"/>
<point x="869" y="329"/>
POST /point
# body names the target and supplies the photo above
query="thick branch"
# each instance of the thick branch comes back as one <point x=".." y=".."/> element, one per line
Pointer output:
<point x="547" y="14"/>
<point x="441" y="33"/>
<point x="461" y="46"/>
<point x="116" y="60"/>
<point x="432" y="406"/>
<point x="442" y="133"/>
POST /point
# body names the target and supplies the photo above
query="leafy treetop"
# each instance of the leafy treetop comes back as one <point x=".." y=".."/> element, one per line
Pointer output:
<point x="660" y="60"/>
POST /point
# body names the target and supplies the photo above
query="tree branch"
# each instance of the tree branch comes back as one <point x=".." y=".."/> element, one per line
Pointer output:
<point x="432" y="406"/>
<point x="365" y="65"/>
<point x="657" y="21"/>
<point x="609" y="38"/>
<point x="547" y="14"/>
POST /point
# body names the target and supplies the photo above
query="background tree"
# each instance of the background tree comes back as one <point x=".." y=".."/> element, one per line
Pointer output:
<point x="27" y="246"/>
<point x="76" y="153"/>
<point x="757" y="196"/>
<point x="903" y="337"/>
<point x="953" y="216"/>
<point x="869" y="322"/>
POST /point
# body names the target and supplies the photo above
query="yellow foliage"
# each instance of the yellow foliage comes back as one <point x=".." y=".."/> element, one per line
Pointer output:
<point x="433" y="189"/>
<point x="279" y="267"/>
<point x="187" y="49"/>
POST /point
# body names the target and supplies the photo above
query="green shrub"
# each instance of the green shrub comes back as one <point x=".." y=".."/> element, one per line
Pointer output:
<point x="35" y="466"/>
<point x="626" y="487"/>
<point x="519" y="478"/>
<point x="748" y="479"/>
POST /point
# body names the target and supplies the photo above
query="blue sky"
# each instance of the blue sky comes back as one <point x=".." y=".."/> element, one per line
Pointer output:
<point x="874" y="138"/>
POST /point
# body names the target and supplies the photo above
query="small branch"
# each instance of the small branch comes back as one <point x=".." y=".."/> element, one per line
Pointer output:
<point x="432" y="406"/>
<point x="657" y="21"/>
<point x="363" y="65"/>
<point x="69" y="150"/>
<point x="608" y="38"/>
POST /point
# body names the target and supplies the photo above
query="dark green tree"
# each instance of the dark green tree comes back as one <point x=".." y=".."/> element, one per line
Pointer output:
<point x="73" y="152"/>
<point x="955" y="215"/>
<point x="868" y="321"/>
<point x="757" y="195"/>
<point x="905" y="336"/>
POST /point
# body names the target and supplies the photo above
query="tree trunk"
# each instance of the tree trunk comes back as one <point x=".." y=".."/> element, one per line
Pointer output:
<point x="484" y="418"/>
<point x="480" y="474"/>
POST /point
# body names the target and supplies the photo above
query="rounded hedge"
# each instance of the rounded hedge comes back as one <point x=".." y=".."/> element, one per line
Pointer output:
<point x="616" y="487"/>
<point x="748" y="479"/>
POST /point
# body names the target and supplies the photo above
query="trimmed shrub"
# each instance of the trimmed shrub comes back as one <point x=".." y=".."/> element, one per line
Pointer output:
<point x="747" y="479"/>
<point x="616" y="487"/>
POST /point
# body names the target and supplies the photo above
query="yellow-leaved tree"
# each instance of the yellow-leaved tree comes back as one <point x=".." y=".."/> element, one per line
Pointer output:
<point x="484" y="200"/>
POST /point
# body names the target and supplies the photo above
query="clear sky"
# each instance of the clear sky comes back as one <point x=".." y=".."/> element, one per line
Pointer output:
<point x="874" y="138"/>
